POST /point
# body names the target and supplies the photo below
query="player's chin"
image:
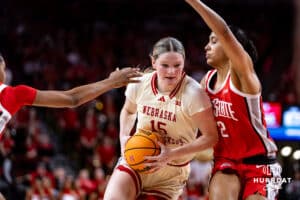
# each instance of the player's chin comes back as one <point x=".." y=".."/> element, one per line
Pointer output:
<point x="171" y="81"/>
<point x="211" y="63"/>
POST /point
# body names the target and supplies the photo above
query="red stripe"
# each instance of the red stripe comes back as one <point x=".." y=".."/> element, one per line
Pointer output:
<point x="180" y="165"/>
<point x="176" y="89"/>
<point x="158" y="193"/>
<point x="153" y="84"/>
<point x="209" y="75"/>
<point x="134" y="176"/>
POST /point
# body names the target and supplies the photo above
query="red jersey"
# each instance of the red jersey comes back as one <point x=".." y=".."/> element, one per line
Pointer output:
<point x="12" y="99"/>
<point x="240" y="120"/>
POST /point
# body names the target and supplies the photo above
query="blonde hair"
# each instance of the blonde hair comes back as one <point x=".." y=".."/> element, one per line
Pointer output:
<point x="167" y="44"/>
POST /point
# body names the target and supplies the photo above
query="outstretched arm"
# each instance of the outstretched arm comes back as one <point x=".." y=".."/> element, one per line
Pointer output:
<point x="241" y="62"/>
<point x="82" y="94"/>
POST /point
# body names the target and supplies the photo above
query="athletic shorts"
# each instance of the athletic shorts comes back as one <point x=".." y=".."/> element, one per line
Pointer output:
<point x="262" y="178"/>
<point x="167" y="183"/>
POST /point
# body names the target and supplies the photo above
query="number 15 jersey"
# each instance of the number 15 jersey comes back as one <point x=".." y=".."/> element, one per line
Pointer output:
<point x="169" y="114"/>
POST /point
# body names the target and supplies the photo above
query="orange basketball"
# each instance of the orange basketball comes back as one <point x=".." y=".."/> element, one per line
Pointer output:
<point x="142" y="143"/>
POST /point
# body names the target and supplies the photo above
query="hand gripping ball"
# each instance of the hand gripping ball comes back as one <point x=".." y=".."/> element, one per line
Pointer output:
<point x="142" y="143"/>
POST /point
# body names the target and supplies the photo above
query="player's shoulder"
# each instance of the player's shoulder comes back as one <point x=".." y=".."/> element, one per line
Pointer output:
<point x="148" y="76"/>
<point x="144" y="83"/>
<point x="191" y="85"/>
<point x="18" y="91"/>
<point x="145" y="80"/>
<point x="5" y="88"/>
<point x="193" y="89"/>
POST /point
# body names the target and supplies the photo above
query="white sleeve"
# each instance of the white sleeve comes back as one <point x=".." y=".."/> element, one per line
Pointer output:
<point x="197" y="100"/>
<point x="132" y="90"/>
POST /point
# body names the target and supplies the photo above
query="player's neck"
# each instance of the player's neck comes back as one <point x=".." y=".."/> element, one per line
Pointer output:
<point x="165" y="90"/>
<point x="221" y="77"/>
<point x="223" y="71"/>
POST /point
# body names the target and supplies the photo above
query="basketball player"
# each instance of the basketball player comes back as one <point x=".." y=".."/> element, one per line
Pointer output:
<point x="13" y="98"/>
<point x="245" y="153"/>
<point x="171" y="103"/>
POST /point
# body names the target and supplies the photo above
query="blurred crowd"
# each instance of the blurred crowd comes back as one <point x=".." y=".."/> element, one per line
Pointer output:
<point x="70" y="153"/>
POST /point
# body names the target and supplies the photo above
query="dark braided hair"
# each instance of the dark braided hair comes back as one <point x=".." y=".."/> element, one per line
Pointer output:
<point x="247" y="44"/>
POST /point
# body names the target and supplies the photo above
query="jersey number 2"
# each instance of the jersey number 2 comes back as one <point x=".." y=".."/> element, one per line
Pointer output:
<point x="222" y="129"/>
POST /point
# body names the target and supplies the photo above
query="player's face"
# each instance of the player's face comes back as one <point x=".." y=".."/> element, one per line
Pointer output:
<point x="169" y="67"/>
<point x="214" y="53"/>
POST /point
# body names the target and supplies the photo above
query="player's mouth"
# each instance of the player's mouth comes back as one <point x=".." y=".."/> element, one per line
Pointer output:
<point x="170" y="78"/>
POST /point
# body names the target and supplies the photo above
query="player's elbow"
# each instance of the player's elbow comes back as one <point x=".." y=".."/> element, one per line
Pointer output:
<point x="74" y="102"/>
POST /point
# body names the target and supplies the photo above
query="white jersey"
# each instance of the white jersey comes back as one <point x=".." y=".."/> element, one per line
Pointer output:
<point x="169" y="114"/>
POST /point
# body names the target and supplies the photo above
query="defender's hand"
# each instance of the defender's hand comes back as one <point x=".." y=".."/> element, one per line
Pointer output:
<point x="120" y="78"/>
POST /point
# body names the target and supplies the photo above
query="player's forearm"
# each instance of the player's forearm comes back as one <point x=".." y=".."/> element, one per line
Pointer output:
<point x="213" y="20"/>
<point x="85" y="93"/>
<point x="126" y="124"/>
<point x="127" y="121"/>
<point x="200" y="144"/>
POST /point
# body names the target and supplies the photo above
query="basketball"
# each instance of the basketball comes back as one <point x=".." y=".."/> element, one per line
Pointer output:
<point x="142" y="143"/>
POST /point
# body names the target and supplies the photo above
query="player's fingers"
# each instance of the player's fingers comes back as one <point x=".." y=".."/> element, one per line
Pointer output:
<point x="152" y="165"/>
<point x="133" y="81"/>
<point x="154" y="169"/>
<point x="162" y="146"/>
<point x="134" y="75"/>
<point x="130" y="69"/>
<point x="160" y="143"/>
<point x="150" y="158"/>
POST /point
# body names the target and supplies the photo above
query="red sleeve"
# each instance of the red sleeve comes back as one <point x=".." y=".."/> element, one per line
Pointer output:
<point x="13" y="98"/>
<point x="25" y="95"/>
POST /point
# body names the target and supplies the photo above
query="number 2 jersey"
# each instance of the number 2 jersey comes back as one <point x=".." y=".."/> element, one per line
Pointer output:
<point x="169" y="114"/>
<point x="11" y="100"/>
<point x="240" y="120"/>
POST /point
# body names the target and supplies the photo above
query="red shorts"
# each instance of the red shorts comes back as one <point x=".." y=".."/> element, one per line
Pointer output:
<point x="263" y="179"/>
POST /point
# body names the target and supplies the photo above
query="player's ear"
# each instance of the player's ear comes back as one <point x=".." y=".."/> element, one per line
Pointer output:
<point x="153" y="61"/>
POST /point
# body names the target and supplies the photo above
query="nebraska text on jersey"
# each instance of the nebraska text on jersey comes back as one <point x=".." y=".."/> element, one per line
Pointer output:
<point x="223" y="109"/>
<point x="159" y="113"/>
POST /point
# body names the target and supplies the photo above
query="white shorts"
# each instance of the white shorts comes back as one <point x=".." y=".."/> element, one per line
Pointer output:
<point x="167" y="182"/>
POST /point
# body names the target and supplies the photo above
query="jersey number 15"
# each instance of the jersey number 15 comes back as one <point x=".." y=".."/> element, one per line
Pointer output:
<point x="159" y="127"/>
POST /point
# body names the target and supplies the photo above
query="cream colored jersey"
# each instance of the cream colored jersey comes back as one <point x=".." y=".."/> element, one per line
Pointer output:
<point x="169" y="114"/>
